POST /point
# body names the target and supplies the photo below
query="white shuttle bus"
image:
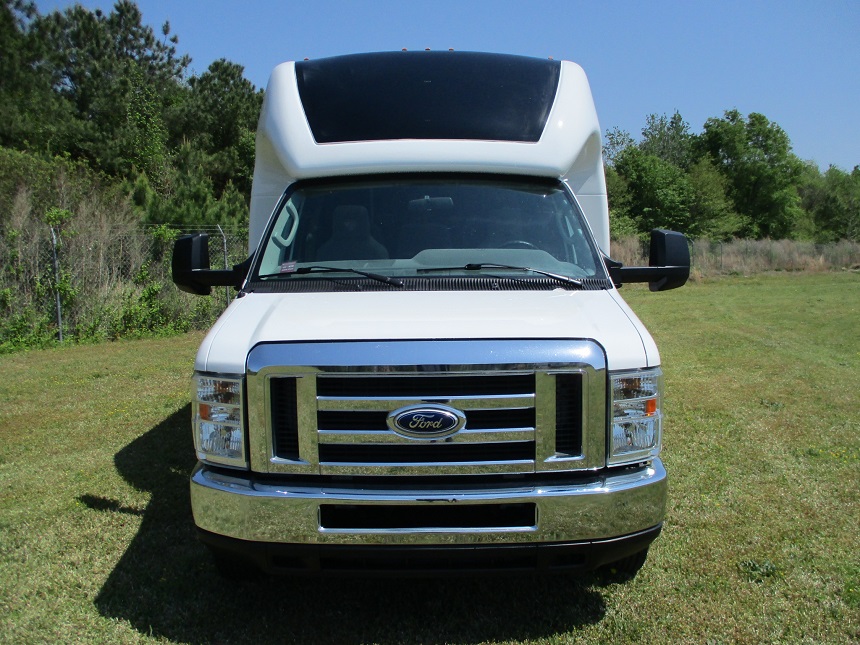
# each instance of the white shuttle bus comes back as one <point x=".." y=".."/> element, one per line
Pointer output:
<point x="428" y="366"/>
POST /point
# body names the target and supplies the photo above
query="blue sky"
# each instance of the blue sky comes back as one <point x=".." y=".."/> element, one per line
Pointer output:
<point x="796" y="62"/>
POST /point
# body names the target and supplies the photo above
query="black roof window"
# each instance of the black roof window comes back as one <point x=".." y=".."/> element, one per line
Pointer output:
<point x="427" y="95"/>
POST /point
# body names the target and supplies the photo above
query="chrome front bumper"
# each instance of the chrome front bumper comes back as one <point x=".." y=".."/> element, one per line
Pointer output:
<point x="587" y="507"/>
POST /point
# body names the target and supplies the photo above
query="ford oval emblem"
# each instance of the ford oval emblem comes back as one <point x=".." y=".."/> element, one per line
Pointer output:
<point x="426" y="421"/>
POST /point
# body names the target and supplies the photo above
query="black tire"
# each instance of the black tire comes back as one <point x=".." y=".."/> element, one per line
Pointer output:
<point x="625" y="568"/>
<point x="234" y="569"/>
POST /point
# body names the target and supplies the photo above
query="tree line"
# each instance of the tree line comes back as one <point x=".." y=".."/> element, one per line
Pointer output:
<point x="107" y="146"/>
<point x="737" y="178"/>
<point x="109" y="92"/>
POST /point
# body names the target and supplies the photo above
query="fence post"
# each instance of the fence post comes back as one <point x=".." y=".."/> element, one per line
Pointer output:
<point x="57" y="284"/>
<point x="226" y="266"/>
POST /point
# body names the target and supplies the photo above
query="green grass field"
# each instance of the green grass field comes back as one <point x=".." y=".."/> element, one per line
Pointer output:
<point x="761" y="542"/>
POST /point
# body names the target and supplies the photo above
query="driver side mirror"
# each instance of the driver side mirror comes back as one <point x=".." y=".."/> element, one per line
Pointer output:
<point x="190" y="267"/>
<point x="669" y="263"/>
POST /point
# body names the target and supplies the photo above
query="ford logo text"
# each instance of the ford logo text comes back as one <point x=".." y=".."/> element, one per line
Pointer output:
<point x="426" y="421"/>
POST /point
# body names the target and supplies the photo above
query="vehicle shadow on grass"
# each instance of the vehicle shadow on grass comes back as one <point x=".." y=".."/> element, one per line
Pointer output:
<point x="165" y="584"/>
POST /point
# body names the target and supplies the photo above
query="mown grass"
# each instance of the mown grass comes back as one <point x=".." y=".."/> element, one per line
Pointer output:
<point x="760" y="543"/>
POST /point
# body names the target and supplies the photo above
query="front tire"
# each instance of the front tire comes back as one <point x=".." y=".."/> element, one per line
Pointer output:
<point x="234" y="569"/>
<point x="625" y="568"/>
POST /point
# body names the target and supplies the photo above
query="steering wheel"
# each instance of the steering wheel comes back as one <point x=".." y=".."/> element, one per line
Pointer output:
<point x="518" y="244"/>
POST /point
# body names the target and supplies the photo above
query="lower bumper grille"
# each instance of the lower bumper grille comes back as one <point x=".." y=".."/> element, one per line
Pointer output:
<point x="445" y="517"/>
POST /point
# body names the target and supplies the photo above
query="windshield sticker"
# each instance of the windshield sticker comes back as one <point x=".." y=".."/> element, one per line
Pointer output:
<point x="288" y="267"/>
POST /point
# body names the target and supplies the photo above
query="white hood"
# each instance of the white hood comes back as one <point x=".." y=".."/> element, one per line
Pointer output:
<point x="420" y="315"/>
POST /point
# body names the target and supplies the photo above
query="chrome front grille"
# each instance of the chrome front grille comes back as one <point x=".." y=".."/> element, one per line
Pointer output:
<point x="499" y="430"/>
<point x="309" y="414"/>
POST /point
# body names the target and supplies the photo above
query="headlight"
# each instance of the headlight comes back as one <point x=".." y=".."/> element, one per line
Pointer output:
<point x="218" y="420"/>
<point x="637" y="416"/>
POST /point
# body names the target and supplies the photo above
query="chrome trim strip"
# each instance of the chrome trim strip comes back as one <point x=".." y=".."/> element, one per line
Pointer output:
<point x="463" y="436"/>
<point x="427" y="356"/>
<point x="419" y="531"/>
<point x="484" y="402"/>
<point x="423" y="469"/>
<point x="594" y="507"/>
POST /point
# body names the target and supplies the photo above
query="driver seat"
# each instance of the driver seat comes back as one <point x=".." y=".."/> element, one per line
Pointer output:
<point x="351" y="238"/>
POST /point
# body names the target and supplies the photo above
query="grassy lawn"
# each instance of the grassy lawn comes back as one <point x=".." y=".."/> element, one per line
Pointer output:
<point x="761" y="543"/>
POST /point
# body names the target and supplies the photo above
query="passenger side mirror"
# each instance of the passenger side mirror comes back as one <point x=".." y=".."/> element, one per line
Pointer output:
<point x="669" y="263"/>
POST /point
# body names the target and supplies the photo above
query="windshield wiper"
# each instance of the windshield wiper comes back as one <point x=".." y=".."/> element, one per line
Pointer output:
<point x="489" y="265"/>
<point x="323" y="269"/>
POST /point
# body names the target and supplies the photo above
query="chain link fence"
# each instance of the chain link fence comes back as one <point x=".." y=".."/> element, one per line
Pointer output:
<point x="59" y="282"/>
<point x="746" y="257"/>
<point x="109" y="281"/>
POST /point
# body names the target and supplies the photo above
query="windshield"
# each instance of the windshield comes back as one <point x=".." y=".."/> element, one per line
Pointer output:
<point x="410" y="226"/>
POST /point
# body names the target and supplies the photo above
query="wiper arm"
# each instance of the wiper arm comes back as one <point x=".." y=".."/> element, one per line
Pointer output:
<point x="489" y="265"/>
<point x="323" y="269"/>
